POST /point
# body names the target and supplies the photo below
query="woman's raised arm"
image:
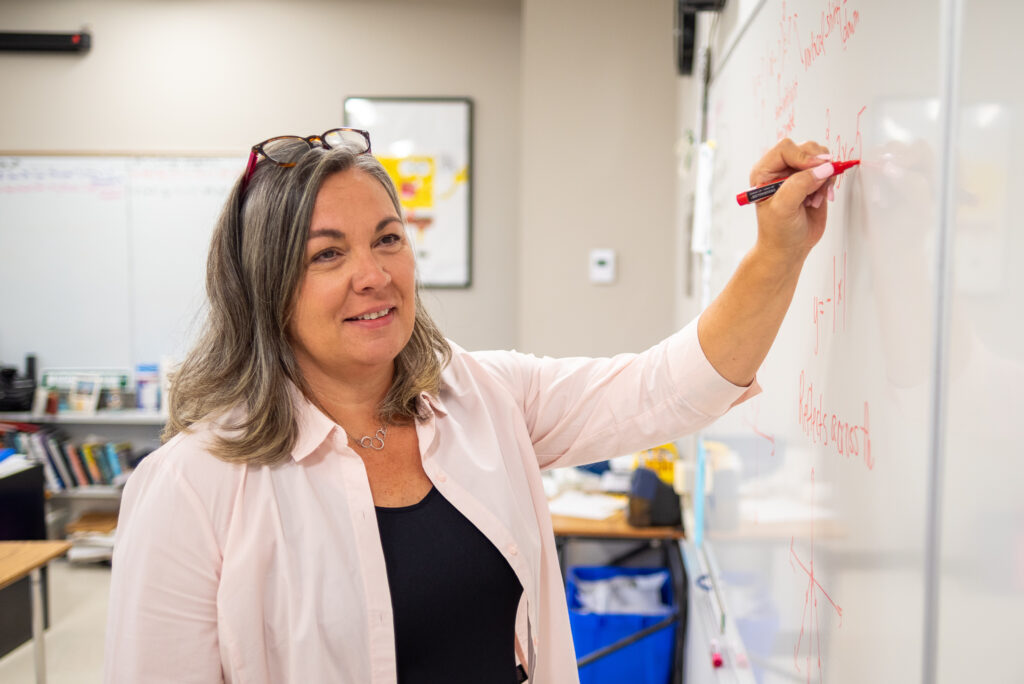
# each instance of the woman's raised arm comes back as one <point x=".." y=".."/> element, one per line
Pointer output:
<point x="739" y="326"/>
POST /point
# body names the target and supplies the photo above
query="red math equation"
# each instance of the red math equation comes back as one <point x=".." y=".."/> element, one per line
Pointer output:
<point x="775" y="86"/>
<point x="785" y="110"/>
<point x="845" y="437"/>
<point x="768" y="82"/>
<point x="842" y="147"/>
<point x="786" y="38"/>
<point x="810" y="620"/>
<point x="837" y="21"/>
<point x="833" y="306"/>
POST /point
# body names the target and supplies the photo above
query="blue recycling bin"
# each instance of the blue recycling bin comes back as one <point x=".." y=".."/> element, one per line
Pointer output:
<point x="647" y="661"/>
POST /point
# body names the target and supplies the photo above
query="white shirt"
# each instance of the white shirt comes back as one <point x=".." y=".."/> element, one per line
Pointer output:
<point x="266" y="575"/>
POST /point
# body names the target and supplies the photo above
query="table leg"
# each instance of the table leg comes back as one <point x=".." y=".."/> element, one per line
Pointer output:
<point x="37" y="625"/>
<point x="678" y="571"/>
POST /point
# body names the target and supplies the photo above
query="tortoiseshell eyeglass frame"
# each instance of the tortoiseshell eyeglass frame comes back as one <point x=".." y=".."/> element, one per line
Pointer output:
<point x="258" y="152"/>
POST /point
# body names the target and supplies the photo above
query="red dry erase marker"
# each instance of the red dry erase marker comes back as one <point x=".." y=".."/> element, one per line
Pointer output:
<point x="763" y="192"/>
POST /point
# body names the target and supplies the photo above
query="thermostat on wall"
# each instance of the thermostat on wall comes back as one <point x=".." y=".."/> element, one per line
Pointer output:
<point x="602" y="266"/>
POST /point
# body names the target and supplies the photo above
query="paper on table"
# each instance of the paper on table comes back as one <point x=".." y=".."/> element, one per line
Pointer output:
<point x="591" y="506"/>
<point x="15" y="464"/>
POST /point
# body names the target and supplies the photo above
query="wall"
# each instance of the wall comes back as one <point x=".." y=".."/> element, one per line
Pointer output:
<point x="575" y="106"/>
<point x="598" y="170"/>
<point x="216" y="76"/>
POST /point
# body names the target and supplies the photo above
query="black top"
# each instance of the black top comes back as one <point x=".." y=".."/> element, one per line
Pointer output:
<point x="453" y="594"/>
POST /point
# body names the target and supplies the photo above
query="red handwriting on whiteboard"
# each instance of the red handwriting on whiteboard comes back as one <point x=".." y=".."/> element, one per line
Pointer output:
<point x="833" y="306"/>
<point x="768" y="81"/>
<point x="54" y="189"/>
<point x="17" y="178"/>
<point x="810" y="621"/>
<point x="842" y="147"/>
<point x="787" y="36"/>
<point x="758" y="90"/>
<point x="844" y="437"/>
<point x="770" y="439"/>
<point x="837" y="21"/>
<point x="785" y="110"/>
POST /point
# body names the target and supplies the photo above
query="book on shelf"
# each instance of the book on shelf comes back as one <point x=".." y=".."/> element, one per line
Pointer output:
<point x="92" y="537"/>
<point x="95" y="474"/>
<point x="95" y="453"/>
<point x="56" y="455"/>
<point x="120" y="454"/>
<point x="36" y="452"/>
<point x="90" y="547"/>
<point x="77" y="466"/>
<point x="115" y="465"/>
<point x="93" y="522"/>
<point x="89" y="553"/>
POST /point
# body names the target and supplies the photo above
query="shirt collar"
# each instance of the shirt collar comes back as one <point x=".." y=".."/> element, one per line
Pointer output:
<point x="433" y="403"/>
<point x="313" y="427"/>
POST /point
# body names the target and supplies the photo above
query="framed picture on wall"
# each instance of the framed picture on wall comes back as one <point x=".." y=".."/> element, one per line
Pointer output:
<point x="426" y="146"/>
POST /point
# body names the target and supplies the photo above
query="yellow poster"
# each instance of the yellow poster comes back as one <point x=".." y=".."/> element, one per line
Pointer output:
<point x="414" y="179"/>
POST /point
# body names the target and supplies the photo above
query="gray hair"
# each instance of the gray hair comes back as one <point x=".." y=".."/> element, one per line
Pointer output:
<point x="243" y="358"/>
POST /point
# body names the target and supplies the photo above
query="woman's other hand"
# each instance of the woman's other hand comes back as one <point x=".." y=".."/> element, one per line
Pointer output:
<point x="792" y="221"/>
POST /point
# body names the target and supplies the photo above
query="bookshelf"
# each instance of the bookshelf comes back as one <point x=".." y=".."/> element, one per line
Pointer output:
<point x="121" y="417"/>
<point x="128" y="424"/>
<point x="93" y="492"/>
<point x="140" y="428"/>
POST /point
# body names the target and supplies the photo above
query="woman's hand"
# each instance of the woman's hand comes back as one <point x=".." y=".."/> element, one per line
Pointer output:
<point x="738" y="327"/>
<point x="792" y="221"/>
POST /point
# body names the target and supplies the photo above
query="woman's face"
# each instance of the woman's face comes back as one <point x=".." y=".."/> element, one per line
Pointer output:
<point x="356" y="302"/>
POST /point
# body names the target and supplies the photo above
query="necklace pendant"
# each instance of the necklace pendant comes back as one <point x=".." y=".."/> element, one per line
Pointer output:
<point x="376" y="442"/>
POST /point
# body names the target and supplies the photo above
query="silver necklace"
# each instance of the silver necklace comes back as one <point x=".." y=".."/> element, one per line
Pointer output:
<point x="376" y="442"/>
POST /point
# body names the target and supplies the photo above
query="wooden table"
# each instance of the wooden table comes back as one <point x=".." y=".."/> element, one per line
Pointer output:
<point x="615" y="528"/>
<point x="20" y="558"/>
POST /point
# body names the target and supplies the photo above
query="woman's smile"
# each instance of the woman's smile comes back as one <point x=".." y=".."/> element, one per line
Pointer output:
<point x="374" y="319"/>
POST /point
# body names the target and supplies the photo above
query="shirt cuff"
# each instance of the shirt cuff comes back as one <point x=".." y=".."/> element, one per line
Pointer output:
<point x="703" y="387"/>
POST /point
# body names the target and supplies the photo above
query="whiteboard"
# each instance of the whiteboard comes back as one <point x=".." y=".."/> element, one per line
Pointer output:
<point x="104" y="258"/>
<point x="822" y="546"/>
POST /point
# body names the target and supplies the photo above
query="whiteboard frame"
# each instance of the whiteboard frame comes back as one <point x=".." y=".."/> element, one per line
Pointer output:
<point x="950" y="49"/>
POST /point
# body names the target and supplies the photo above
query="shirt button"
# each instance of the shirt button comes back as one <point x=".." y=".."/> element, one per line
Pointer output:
<point x="442" y="477"/>
<point x="513" y="550"/>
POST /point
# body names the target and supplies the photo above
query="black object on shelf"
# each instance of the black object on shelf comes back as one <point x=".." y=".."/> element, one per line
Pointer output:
<point x="16" y="391"/>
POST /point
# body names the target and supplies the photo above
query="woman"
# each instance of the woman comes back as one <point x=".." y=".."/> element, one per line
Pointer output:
<point x="345" y="496"/>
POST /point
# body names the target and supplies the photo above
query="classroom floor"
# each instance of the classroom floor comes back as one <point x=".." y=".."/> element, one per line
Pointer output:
<point x="78" y="621"/>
